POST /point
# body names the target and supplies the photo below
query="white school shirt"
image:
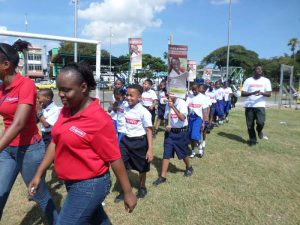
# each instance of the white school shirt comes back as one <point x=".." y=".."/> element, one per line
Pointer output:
<point x="121" y="124"/>
<point x="51" y="113"/>
<point x="211" y="95"/>
<point x="197" y="103"/>
<point x="219" y="93"/>
<point x="148" y="97"/>
<point x="208" y="100"/>
<point x="162" y="97"/>
<point x="137" y="119"/>
<point x="182" y="107"/>
<point x="262" y="84"/>
<point x="227" y="92"/>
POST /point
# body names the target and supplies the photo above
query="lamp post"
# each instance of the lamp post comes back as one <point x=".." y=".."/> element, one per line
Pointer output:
<point x="228" y="40"/>
<point x="75" y="27"/>
<point x="110" y="49"/>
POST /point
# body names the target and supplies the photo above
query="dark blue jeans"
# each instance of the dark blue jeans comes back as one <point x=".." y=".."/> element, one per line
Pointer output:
<point x="26" y="160"/>
<point x="83" y="204"/>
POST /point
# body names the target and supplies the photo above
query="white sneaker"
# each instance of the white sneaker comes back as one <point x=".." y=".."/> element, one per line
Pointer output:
<point x="200" y="149"/>
<point x="193" y="154"/>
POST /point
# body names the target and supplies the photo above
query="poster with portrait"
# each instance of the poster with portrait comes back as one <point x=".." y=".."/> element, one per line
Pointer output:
<point x="192" y="69"/>
<point x="177" y="74"/>
<point x="135" y="53"/>
<point x="207" y="72"/>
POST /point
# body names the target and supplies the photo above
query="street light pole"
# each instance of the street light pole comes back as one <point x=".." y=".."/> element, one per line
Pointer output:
<point x="110" y="49"/>
<point x="75" y="28"/>
<point x="228" y="40"/>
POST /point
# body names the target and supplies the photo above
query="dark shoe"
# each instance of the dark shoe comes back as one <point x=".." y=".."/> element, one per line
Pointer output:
<point x="159" y="181"/>
<point x="119" y="198"/>
<point x="188" y="172"/>
<point x="261" y="135"/>
<point x="142" y="192"/>
<point x="252" y="143"/>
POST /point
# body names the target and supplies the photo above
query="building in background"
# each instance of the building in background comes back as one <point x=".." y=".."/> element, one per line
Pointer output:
<point x="34" y="65"/>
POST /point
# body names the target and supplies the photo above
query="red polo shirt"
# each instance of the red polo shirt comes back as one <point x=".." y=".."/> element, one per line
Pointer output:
<point x="85" y="143"/>
<point x="21" y="91"/>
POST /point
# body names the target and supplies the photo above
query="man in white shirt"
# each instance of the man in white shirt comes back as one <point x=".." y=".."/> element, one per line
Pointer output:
<point x="256" y="88"/>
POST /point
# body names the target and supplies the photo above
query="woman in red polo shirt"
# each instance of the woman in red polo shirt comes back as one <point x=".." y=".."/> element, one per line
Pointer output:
<point x="84" y="144"/>
<point x="21" y="148"/>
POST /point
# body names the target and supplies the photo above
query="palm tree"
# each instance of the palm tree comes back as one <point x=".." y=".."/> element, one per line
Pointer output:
<point x="293" y="42"/>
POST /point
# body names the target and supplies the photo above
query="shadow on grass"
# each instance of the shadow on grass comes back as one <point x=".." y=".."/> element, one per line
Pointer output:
<point x="35" y="215"/>
<point x="133" y="178"/>
<point x="232" y="137"/>
<point x="157" y="162"/>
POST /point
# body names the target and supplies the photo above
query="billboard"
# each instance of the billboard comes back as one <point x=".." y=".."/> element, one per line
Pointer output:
<point x="192" y="69"/>
<point x="135" y="53"/>
<point x="177" y="73"/>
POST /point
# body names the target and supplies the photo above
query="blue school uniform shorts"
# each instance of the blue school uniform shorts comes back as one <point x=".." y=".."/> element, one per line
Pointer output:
<point x="220" y="108"/>
<point x="161" y="111"/>
<point x="176" y="142"/>
<point x="227" y="106"/>
<point x="195" y="123"/>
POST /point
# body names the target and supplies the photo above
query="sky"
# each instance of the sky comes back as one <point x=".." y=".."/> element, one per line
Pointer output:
<point x="263" y="26"/>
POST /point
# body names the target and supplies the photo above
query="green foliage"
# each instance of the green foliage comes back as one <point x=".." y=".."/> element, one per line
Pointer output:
<point x="239" y="56"/>
<point x="83" y="49"/>
<point x="155" y="64"/>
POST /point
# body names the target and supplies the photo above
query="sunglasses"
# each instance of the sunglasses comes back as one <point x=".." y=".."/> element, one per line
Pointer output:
<point x="4" y="52"/>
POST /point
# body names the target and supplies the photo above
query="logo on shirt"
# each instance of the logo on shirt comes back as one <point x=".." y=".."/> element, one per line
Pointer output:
<point x="194" y="105"/>
<point x="11" y="99"/>
<point x="132" y="121"/>
<point x="174" y="116"/>
<point x="77" y="131"/>
<point x="120" y="110"/>
<point x="147" y="99"/>
<point x="256" y="85"/>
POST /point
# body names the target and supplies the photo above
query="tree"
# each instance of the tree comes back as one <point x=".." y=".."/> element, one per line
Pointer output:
<point x="293" y="42"/>
<point x="83" y="49"/>
<point x="239" y="56"/>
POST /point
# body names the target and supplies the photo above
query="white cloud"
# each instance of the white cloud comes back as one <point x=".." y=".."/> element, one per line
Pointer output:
<point x="3" y="27"/>
<point x="127" y="18"/>
<point x="222" y="2"/>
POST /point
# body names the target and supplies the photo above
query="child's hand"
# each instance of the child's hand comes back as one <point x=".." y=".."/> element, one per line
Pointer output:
<point x="130" y="201"/>
<point x="149" y="155"/>
<point x="168" y="128"/>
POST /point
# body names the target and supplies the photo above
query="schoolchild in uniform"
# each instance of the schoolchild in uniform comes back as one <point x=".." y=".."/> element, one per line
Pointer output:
<point x="83" y="147"/>
<point x="149" y="98"/>
<point x="176" y="137"/>
<point x="47" y="113"/>
<point x="220" y="102"/>
<point x="162" y="98"/>
<point x="118" y="110"/>
<point x="136" y="144"/>
<point x="227" y="100"/>
<point x="203" y="89"/>
<point x="196" y="103"/>
<point x="210" y="92"/>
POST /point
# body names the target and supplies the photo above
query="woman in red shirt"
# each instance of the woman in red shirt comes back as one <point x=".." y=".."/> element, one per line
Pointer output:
<point x="83" y="146"/>
<point x="21" y="147"/>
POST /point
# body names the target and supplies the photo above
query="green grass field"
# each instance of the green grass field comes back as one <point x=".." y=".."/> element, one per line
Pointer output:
<point x="232" y="183"/>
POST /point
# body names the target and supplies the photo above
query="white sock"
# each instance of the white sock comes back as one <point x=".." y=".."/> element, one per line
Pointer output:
<point x="203" y="144"/>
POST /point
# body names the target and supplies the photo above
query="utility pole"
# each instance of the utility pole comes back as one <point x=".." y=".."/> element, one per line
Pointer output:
<point x="26" y="23"/>
<point x="228" y="40"/>
<point x="75" y="27"/>
<point x="110" y="49"/>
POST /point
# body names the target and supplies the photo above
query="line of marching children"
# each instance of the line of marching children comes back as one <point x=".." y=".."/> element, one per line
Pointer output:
<point x="186" y="122"/>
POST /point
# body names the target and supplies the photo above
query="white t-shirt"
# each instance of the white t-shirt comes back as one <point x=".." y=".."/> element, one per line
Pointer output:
<point x="162" y="97"/>
<point x="137" y="119"/>
<point x="51" y="113"/>
<point x="219" y="93"/>
<point x="227" y="92"/>
<point x="197" y="103"/>
<point x="121" y="124"/>
<point x="148" y="97"/>
<point x="211" y="95"/>
<point x="250" y="85"/>
<point x="182" y="107"/>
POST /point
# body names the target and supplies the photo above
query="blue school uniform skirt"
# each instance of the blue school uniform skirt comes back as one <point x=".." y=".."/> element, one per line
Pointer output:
<point x="195" y="123"/>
